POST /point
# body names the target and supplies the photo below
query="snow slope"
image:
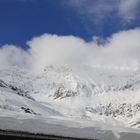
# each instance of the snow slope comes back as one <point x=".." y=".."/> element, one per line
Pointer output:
<point x="84" y="101"/>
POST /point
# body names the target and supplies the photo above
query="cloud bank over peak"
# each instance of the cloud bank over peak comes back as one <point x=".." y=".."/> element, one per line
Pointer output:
<point x="121" y="50"/>
<point x="52" y="49"/>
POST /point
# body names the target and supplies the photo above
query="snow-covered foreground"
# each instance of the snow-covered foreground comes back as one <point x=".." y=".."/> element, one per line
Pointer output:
<point x="86" y="102"/>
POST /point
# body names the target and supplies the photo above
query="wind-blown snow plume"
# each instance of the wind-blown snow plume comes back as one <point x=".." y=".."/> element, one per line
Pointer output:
<point x="120" y="50"/>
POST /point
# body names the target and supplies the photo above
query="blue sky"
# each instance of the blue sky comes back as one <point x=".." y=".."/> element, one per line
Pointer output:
<point x="20" y="20"/>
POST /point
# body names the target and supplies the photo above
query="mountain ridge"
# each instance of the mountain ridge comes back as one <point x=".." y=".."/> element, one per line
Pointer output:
<point x="84" y="91"/>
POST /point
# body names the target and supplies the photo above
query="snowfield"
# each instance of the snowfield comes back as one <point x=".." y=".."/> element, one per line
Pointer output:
<point x="86" y="102"/>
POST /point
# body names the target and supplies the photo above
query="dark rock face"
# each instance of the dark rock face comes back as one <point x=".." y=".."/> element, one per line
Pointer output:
<point x="28" y="110"/>
<point x="124" y="110"/>
<point x="3" y="84"/>
<point x="61" y="93"/>
<point x="15" y="89"/>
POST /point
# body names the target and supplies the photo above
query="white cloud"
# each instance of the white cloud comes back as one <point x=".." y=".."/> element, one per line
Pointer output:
<point x="53" y="49"/>
<point x="101" y="9"/>
<point x="128" y="8"/>
<point x="11" y="55"/>
<point x="120" y="50"/>
<point x="91" y="9"/>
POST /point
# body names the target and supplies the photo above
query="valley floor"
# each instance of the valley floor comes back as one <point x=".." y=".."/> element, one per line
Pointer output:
<point x="18" y="135"/>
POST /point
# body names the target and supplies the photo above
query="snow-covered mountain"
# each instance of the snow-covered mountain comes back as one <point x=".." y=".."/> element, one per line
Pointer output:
<point x="95" y="94"/>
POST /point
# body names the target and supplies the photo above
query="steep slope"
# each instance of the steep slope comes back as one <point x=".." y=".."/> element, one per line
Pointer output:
<point x="18" y="102"/>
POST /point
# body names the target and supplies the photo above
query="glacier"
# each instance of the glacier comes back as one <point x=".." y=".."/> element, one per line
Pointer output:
<point x="82" y="101"/>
